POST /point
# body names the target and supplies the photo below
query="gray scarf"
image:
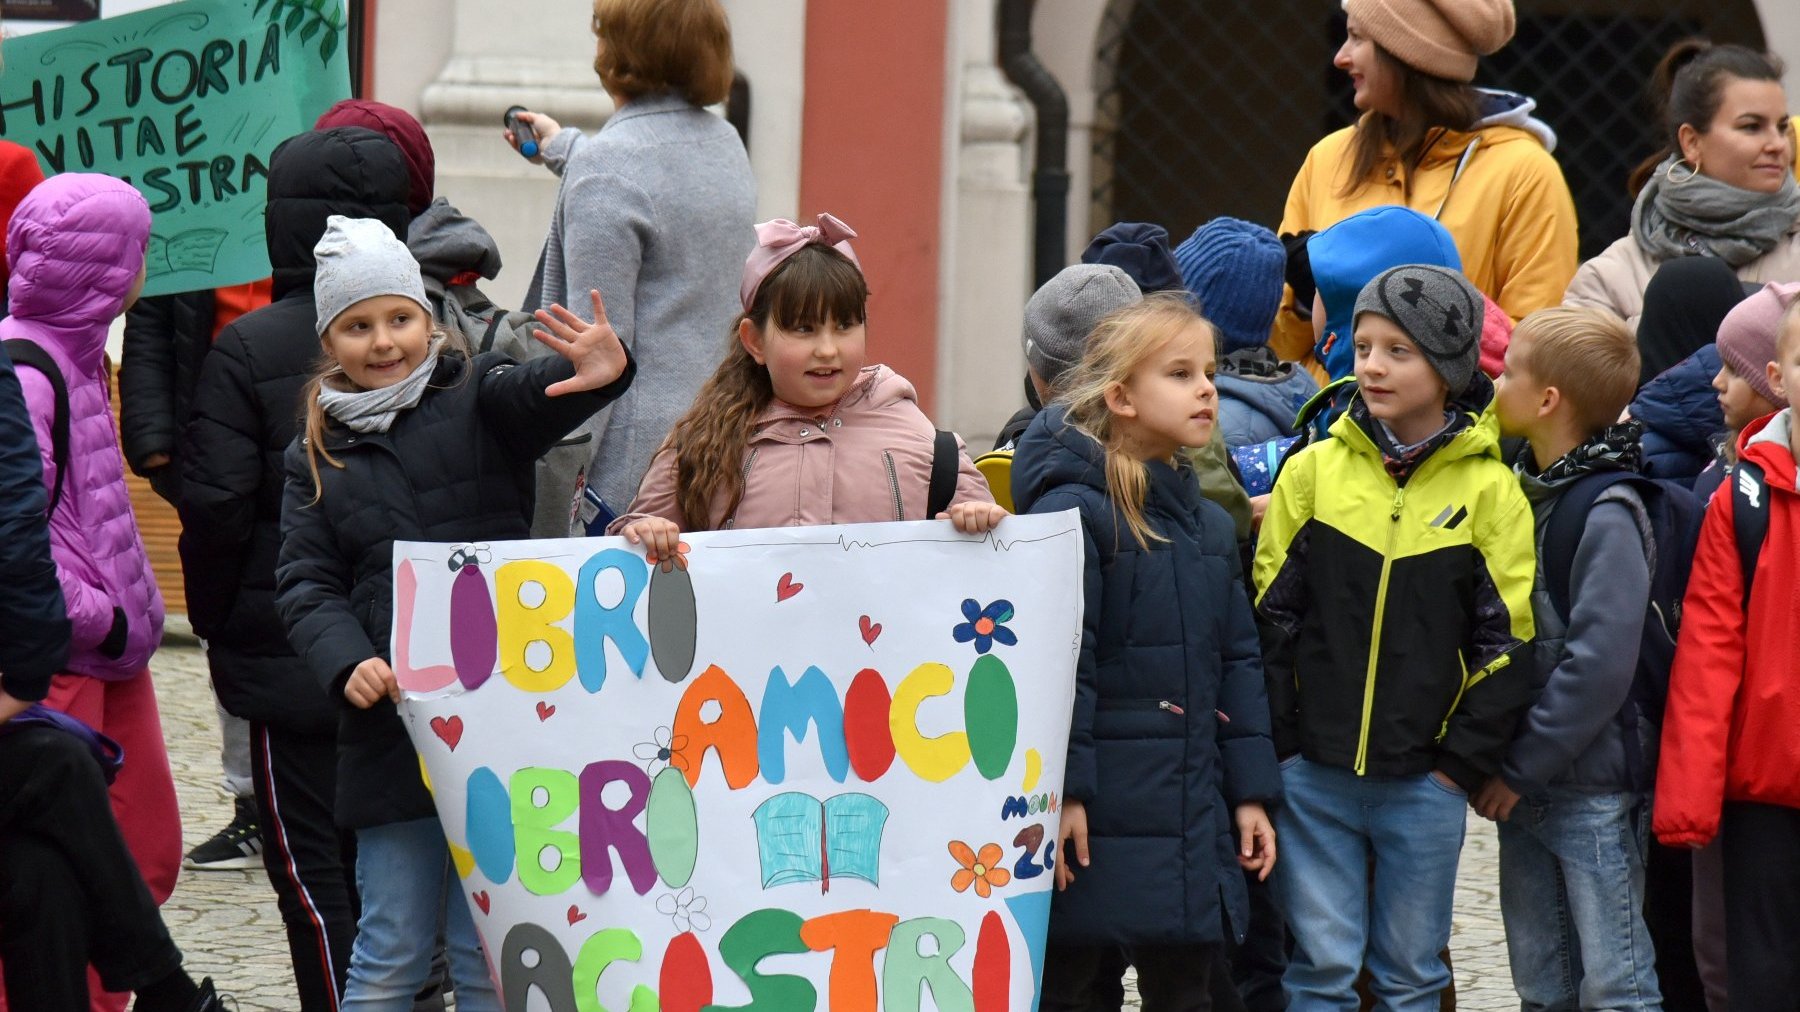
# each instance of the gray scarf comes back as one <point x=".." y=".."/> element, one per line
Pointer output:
<point x="375" y="410"/>
<point x="1705" y="216"/>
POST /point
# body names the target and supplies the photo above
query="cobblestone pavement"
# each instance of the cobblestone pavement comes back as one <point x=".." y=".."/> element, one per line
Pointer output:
<point x="227" y="925"/>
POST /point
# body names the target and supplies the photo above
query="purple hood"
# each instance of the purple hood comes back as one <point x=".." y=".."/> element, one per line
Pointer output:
<point x="75" y="246"/>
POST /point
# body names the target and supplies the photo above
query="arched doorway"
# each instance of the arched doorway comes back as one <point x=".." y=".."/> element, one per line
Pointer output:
<point x="1206" y="107"/>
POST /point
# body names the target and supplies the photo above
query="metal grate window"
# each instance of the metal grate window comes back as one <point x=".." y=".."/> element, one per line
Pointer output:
<point x="1207" y="107"/>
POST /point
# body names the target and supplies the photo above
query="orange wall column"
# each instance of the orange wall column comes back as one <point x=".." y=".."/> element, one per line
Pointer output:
<point x="871" y="152"/>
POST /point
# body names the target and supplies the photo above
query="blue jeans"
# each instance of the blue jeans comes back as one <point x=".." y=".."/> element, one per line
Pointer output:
<point x="408" y="888"/>
<point x="1331" y="826"/>
<point x="1572" y="895"/>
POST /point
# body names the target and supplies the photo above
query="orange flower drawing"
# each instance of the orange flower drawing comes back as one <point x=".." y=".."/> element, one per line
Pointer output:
<point x="980" y="870"/>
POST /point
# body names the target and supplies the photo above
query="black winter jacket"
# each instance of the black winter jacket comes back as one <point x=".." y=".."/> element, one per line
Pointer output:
<point x="35" y="643"/>
<point x="166" y="340"/>
<point x="1171" y="722"/>
<point x="459" y="467"/>
<point x="246" y="411"/>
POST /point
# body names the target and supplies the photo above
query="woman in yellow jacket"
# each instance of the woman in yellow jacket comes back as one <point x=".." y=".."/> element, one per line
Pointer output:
<point x="1474" y="159"/>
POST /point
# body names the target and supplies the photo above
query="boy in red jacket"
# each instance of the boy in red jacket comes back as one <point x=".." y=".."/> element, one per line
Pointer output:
<point x="1730" y="755"/>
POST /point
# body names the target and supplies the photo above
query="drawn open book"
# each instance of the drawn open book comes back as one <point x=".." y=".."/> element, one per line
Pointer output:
<point x="801" y="839"/>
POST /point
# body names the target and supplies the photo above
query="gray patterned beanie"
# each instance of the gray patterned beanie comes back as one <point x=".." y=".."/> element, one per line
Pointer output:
<point x="359" y="258"/>
<point x="1439" y="309"/>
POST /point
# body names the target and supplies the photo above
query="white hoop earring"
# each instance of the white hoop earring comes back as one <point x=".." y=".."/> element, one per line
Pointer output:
<point x="1681" y="163"/>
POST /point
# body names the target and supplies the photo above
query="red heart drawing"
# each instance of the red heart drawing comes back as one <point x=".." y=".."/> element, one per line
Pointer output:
<point x="545" y="710"/>
<point x="481" y="900"/>
<point x="575" y="915"/>
<point x="450" y="730"/>
<point x="787" y="587"/>
<point x="870" y="630"/>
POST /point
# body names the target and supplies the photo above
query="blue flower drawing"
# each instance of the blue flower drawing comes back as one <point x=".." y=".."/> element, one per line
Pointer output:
<point x="986" y="625"/>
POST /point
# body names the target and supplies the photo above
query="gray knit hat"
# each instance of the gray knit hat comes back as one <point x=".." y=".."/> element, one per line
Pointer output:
<point x="1060" y="316"/>
<point x="359" y="258"/>
<point x="1439" y="309"/>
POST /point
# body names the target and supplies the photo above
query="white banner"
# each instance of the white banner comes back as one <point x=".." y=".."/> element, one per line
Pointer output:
<point x="817" y="768"/>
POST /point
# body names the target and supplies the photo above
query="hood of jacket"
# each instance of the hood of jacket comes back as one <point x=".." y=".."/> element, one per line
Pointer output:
<point x="1509" y="108"/>
<point x="1768" y="442"/>
<point x="1054" y="453"/>
<point x="1349" y="254"/>
<point x="1680" y="405"/>
<point x="1256" y="379"/>
<point x="350" y="171"/>
<point x="447" y="242"/>
<point x="75" y="246"/>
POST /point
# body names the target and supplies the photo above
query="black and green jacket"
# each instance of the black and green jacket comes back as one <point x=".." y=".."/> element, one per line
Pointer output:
<point x="1394" y="614"/>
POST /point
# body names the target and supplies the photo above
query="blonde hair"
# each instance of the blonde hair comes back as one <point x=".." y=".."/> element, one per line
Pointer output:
<point x="1121" y="342"/>
<point x="664" y="45"/>
<point x="329" y="371"/>
<point x="1587" y="354"/>
<point x="812" y="287"/>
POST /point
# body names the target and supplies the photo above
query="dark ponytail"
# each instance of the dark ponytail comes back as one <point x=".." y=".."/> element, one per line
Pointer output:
<point x="1687" y="87"/>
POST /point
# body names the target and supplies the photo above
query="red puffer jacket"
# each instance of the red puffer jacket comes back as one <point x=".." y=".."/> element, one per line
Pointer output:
<point x="1734" y="694"/>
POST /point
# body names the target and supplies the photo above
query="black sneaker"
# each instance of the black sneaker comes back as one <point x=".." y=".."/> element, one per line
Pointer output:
<point x="238" y="846"/>
<point x="210" y="1000"/>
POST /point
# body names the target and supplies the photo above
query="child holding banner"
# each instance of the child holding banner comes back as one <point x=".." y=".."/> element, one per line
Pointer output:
<point x="1169" y="748"/>
<point x="793" y="429"/>
<point x="408" y="438"/>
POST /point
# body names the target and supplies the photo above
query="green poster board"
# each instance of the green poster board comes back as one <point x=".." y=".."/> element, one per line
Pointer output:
<point x="186" y="102"/>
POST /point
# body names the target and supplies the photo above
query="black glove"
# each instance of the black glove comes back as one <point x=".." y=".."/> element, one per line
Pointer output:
<point x="113" y="646"/>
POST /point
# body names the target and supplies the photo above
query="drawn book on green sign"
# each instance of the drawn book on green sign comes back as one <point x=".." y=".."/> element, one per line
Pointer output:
<point x="802" y="839"/>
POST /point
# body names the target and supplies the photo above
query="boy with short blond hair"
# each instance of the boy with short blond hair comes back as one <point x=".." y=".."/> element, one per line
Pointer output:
<point x="1393" y="580"/>
<point x="1568" y="798"/>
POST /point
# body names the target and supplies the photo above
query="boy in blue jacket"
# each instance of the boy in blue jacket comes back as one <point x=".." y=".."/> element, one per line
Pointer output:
<point x="1573" y="828"/>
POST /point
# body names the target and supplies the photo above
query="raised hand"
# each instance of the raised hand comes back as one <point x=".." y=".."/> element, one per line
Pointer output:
<point x="593" y="348"/>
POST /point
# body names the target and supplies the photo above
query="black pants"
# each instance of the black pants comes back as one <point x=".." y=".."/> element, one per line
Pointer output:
<point x="1762" y="906"/>
<point x="70" y="893"/>
<point x="310" y="863"/>
<point x="1257" y="964"/>
<point x="1170" y="978"/>
<point x="1669" y="916"/>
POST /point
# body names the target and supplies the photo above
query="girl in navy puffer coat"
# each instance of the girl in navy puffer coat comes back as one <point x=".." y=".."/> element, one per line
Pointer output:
<point x="1170" y="761"/>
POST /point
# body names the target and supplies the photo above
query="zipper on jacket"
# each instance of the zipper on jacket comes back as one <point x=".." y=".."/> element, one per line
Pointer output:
<point x="1381" y="589"/>
<point x="887" y="458"/>
<point x="1163" y="704"/>
<point x="743" y="483"/>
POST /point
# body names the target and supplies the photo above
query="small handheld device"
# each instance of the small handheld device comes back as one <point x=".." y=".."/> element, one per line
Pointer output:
<point x="526" y="137"/>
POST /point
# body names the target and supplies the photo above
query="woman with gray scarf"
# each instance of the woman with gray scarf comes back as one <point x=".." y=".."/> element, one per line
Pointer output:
<point x="1725" y="189"/>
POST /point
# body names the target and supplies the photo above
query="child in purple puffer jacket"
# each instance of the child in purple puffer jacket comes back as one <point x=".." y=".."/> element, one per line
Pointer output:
<point x="75" y="247"/>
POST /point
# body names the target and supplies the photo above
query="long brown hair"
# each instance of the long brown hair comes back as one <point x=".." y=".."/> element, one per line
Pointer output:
<point x="1121" y="342"/>
<point x="813" y="287"/>
<point x="328" y="371"/>
<point x="1687" y="88"/>
<point x="1427" y="103"/>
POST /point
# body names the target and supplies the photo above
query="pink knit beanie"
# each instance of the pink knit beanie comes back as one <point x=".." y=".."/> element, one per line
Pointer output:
<point x="1440" y="37"/>
<point x="1748" y="335"/>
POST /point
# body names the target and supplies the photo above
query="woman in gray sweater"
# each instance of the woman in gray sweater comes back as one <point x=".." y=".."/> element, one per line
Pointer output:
<point x="657" y="211"/>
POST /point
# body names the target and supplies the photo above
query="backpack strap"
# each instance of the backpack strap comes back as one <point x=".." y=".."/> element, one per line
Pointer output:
<point x="943" y="474"/>
<point x="1749" y="517"/>
<point x="23" y="352"/>
<point x="1568" y="519"/>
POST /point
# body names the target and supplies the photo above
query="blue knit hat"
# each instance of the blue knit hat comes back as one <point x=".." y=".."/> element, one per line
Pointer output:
<point x="1235" y="269"/>
<point x="1141" y="250"/>
<point x="1348" y="255"/>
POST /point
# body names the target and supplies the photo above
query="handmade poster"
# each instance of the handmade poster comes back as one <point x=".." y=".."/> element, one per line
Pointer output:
<point x="186" y="102"/>
<point x="806" y="768"/>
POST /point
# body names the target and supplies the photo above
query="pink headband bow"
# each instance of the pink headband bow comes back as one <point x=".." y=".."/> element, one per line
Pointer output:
<point x="779" y="239"/>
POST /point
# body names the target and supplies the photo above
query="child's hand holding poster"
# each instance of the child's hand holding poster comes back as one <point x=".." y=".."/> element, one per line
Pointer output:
<point x="808" y="768"/>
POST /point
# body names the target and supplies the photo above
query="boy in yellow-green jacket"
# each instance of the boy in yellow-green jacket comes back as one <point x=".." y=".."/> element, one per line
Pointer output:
<point x="1393" y="582"/>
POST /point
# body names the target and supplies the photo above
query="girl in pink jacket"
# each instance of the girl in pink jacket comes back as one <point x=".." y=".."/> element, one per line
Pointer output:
<point x="75" y="247"/>
<point x="793" y="428"/>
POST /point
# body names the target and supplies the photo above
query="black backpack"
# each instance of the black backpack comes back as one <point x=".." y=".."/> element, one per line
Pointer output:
<point x="1675" y="514"/>
<point x="1749" y="517"/>
<point x="23" y="352"/>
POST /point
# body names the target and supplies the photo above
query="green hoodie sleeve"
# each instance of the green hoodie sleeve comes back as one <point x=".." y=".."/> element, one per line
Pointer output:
<point x="1216" y="483"/>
